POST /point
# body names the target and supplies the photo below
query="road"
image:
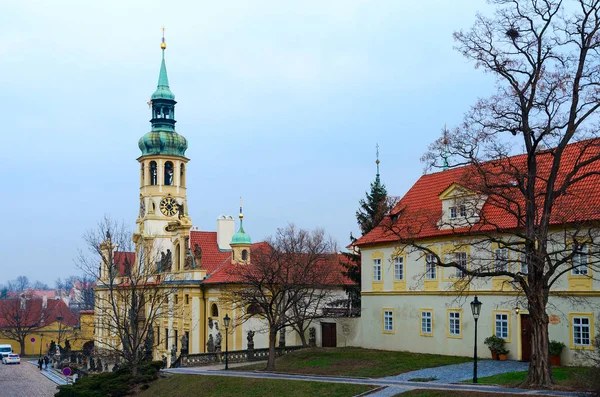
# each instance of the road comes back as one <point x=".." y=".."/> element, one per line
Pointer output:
<point x="24" y="380"/>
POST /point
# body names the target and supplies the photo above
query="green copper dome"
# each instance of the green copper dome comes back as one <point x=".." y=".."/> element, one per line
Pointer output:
<point x="168" y="143"/>
<point x="241" y="238"/>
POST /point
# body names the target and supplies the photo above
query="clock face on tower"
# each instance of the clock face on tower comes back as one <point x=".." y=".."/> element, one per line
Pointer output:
<point x="168" y="206"/>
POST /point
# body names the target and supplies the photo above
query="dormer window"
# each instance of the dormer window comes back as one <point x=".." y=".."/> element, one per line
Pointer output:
<point x="452" y="212"/>
<point x="460" y="207"/>
<point x="460" y="211"/>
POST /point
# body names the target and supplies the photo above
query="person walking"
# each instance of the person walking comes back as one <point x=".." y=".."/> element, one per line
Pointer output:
<point x="46" y="361"/>
<point x="40" y="362"/>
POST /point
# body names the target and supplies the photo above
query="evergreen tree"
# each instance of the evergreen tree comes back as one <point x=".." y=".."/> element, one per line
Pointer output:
<point x="372" y="210"/>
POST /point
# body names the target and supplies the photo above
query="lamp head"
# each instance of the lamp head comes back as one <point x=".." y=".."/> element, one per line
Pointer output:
<point x="226" y="320"/>
<point x="476" y="307"/>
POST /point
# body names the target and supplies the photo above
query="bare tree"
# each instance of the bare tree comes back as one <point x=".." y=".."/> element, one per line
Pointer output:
<point x="544" y="55"/>
<point x="22" y="283"/>
<point x="40" y="285"/>
<point x="20" y="317"/>
<point x="130" y="298"/>
<point x="288" y="282"/>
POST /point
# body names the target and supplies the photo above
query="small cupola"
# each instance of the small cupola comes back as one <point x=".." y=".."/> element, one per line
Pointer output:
<point x="240" y="243"/>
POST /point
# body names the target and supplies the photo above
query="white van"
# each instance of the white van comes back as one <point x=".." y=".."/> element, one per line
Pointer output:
<point x="5" y="350"/>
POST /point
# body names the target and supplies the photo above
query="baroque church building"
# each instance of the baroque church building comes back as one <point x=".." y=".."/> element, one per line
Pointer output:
<point x="195" y="265"/>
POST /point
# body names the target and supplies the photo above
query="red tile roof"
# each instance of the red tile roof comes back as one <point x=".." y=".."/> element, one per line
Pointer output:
<point x="212" y="256"/>
<point x="33" y="312"/>
<point x="418" y="212"/>
<point x="219" y="268"/>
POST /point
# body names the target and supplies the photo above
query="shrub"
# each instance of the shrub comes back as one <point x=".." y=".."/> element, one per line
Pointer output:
<point x="556" y="347"/>
<point x="112" y="384"/>
<point x="494" y="343"/>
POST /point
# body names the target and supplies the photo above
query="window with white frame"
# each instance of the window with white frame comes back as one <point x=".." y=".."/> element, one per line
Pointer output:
<point x="376" y="269"/>
<point x="581" y="331"/>
<point x="502" y="325"/>
<point x="461" y="260"/>
<point x="388" y="321"/>
<point x="452" y="212"/>
<point x="580" y="260"/>
<point x="523" y="262"/>
<point x="462" y="209"/>
<point x="430" y="267"/>
<point x="426" y="316"/>
<point x="501" y="260"/>
<point x="399" y="268"/>
<point x="454" y="323"/>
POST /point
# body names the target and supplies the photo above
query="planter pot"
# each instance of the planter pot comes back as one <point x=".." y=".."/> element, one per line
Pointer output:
<point x="502" y="357"/>
<point x="494" y="355"/>
<point x="555" y="361"/>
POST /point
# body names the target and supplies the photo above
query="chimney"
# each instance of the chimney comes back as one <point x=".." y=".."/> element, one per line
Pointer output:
<point x="225" y="231"/>
<point x="44" y="302"/>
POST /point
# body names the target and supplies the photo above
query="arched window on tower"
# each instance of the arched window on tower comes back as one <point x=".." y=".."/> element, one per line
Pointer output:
<point x="214" y="311"/>
<point x="182" y="175"/>
<point x="177" y="260"/>
<point x="244" y="255"/>
<point x="168" y="173"/>
<point x="153" y="173"/>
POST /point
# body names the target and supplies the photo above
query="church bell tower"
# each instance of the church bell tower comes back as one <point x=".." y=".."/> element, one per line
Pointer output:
<point x="163" y="217"/>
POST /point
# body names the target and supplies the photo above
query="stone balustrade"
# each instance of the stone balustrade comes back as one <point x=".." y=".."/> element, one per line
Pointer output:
<point x="235" y="356"/>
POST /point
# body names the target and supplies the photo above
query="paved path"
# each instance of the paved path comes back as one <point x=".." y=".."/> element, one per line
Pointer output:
<point x="458" y="372"/>
<point x="24" y="380"/>
<point x="389" y="383"/>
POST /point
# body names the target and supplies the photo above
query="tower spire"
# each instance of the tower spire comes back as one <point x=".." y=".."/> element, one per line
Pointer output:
<point x="163" y="139"/>
<point x="241" y="216"/>
<point x="377" y="160"/>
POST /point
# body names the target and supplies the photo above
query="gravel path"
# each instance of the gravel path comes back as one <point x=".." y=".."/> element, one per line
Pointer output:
<point x="458" y="372"/>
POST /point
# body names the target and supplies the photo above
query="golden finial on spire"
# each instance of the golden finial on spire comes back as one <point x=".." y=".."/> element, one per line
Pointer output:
<point x="163" y="45"/>
<point x="241" y="215"/>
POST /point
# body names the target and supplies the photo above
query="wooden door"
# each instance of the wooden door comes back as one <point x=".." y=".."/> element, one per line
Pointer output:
<point x="525" y="337"/>
<point x="328" y="335"/>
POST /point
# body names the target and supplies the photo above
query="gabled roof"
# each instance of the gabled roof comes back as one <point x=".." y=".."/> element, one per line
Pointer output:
<point x="34" y="310"/>
<point x="416" y="214"/>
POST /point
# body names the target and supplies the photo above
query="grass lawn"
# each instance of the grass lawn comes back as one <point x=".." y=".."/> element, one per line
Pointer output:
<point x="453" y="393"/>
<point x="209" y="386"/>
<point x="566" y="378"/>
<point x="354" y="361"/>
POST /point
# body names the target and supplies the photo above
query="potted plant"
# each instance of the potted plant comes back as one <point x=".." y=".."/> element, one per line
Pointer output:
<point x="494" y="343"/>
<point x="555" y="348"/>
<point x="502" y="354"/>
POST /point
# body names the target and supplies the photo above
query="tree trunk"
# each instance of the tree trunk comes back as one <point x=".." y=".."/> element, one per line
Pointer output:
<point x="272" y="353"/>
<point x="540" y="373"/>
<point x="22" y="345"/>
<point x="303" y="339"/>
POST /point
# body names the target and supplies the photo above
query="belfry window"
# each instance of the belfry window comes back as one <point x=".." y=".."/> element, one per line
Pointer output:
<point x="168" y="173"/>
<point x="153" y="173"/>
<point x="182" y="175"/>
<point x="245" y="255"/>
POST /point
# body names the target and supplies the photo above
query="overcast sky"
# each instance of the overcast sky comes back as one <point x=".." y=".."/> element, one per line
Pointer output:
<point x="282" y="102"/>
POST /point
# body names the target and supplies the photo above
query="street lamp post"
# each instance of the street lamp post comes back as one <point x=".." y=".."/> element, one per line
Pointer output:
<point x="475" y="309"/>
<point x="226" y="321"/>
